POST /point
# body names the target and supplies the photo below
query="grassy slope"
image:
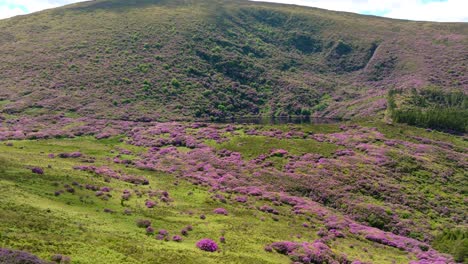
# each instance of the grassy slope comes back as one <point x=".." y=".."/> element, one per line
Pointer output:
<point x="180" y="59"/>
<point x="35" y="220"/>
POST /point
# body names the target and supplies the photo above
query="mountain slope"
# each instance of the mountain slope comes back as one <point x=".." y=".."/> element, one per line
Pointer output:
<point x="322" y="193"/>
<point x="186" y="59"/>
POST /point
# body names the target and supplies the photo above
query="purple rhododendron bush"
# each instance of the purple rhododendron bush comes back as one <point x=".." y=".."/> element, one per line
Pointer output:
<point x="335" y="193"/>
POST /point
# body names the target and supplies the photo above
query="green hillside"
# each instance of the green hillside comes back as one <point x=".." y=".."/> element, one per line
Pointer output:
<point x="185" y="59"/>
<point x="367" y="193"/>
<point x="191" y="131"/>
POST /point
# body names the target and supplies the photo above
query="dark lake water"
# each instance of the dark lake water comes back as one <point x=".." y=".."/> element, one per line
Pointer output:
<point x="266" y="120"/>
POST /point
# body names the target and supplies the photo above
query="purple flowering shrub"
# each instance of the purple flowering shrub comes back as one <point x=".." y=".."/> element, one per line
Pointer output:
<point x="284" y="247"/>
<point x="149" y="230"/>
<point x="241" y="199"/>
<point x="107" y="172"/>
<point x="221" y="211"/>
<point x="126" y="194"/>
<point x="37" y="170"/>
<point x="315" y="252"/>
<point x="177" y="238"/>
<point x="279" y="153"/>
<point x="207" y="244"/>
<point x="150" y="204"/>
<point x="143" y="223"/>
<point x="268" y="209"/>
<point x="163" y="235"/>
<point x="9" y="256"/>
<point x="105" y="189"/>
<point x="70" y="155"/>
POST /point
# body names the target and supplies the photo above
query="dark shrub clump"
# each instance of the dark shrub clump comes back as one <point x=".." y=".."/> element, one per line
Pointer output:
<point x="9" y="256"/>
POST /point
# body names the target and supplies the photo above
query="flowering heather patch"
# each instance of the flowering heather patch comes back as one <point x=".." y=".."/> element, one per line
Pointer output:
<point x="315" y="252"/>
<point x="268" y="209"/>
<point x="143" y="223"/>
<point x="37" y="170"/>
<point x="150" y="230"/>
<point x="55" y="126"/>
<point x="284" y="247"/>
<point x="177" y="238"/>
<point x="122" y="161"/>
<point x="336" y="233"/>
<point x="268" y="248"/>
<point x="126" y="194"/>
<point x="241" y="199"/>
<point x="105" y="189"/>
<point x="150" y="204"/>
<point x="219" y="197"/>
<point x="103" y="135"/>
<point x="251" y="190"/>
<point x="344" y="152"/>
<point x="124" y="151"/>
<point x="163" y="232"/>
<point x="107" y="172"/>
<point x="400" y="242"/>
<point x="221" y="211"/>
<point x="279" y="153"/>
<point x="163" y="235"/>
<point x="70" y="155"/>
<point x="207" y="244"/>
<point x="9" y="256"/>
<point x="92" y="187"/>
<point x="372" y="181"/>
